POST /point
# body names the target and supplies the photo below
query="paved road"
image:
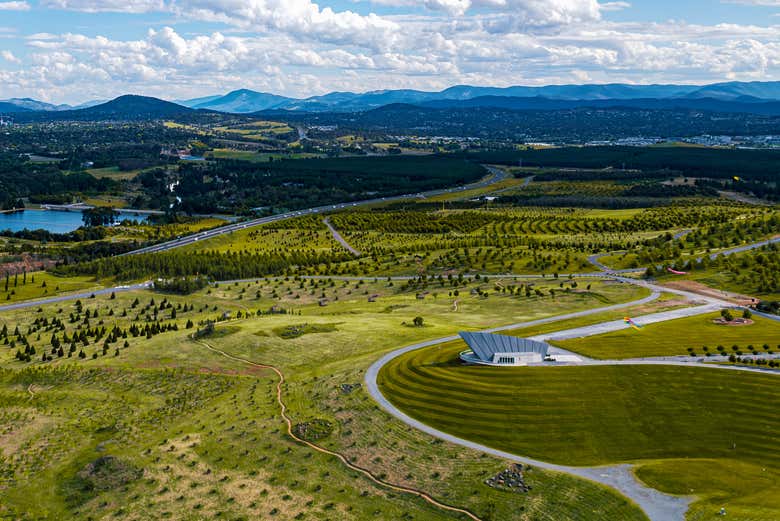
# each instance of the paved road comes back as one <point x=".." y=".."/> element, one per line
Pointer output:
<point x="73" y="296"/>
<point x="656" y="505"/>
<point x="496" y="175"/>
<point x="617" y="325"/>
<point x="339" y="238"/>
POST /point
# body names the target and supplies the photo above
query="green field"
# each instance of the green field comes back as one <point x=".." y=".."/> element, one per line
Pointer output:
<point x="652" y="415"/>
<point x="41" y="284"/>
<point x="674" y="337"/>
<point x="206" y="432"/>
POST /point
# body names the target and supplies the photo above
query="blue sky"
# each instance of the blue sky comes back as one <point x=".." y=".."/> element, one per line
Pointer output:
<point x="70" y="51"/>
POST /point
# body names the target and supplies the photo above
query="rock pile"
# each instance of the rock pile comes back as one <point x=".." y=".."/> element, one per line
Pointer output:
<point x="348" y="388"/>
<point x="510" y="479"/>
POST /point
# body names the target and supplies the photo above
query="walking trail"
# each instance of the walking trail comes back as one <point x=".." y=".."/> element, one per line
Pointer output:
<point x="365" y="472"/>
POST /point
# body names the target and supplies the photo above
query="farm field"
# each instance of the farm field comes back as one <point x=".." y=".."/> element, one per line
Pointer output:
<point x="656" y="417"/>
<point x="113" y="172"/>
<point x="675" y="337"/>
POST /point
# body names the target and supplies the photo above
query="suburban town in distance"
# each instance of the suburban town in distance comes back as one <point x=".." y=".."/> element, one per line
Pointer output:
<point x="393" y="260"/>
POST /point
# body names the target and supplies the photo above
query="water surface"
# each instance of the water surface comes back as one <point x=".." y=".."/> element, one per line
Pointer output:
<point x="55" y="221"/>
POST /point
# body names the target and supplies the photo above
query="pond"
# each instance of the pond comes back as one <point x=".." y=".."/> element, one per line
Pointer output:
<point x="55" y="221"/>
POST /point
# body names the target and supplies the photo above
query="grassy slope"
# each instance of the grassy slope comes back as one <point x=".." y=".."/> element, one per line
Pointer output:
<point x="34" y="290"/>
<point x="255" y="472"/>
<point x="599" y="415"/>
<point x="675" y="337"/>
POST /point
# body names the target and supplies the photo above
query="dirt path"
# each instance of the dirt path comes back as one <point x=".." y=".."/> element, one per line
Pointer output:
<point x="365" y="472"/>
<point x="339" y="238"/>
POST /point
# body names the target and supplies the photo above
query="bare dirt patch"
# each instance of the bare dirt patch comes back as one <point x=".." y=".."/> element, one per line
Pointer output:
<point x="735" y="322"/>
<point x="16" y="434"/>
<point x="702" y="289"/>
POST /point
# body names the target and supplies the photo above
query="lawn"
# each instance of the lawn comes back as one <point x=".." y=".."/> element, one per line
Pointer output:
<point x="674" y="337"/>
<point x="659" y="417"/>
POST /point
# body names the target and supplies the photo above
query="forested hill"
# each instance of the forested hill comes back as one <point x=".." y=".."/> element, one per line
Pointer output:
<point x="123" y="108"/>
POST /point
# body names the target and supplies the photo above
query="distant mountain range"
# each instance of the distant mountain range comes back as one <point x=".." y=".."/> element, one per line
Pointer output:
<point x="26" y="104"/>
<point x="757" y="100"/>
<point x="246" y="101"/>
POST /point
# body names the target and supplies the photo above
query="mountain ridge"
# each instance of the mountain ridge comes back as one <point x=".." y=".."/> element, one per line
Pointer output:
<point x="356" y="102"/>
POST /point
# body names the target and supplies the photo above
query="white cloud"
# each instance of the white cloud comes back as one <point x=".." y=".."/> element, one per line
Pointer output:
<point x="764" y="3"/>
<point x="14" y="6"/>
<point x="299" y="48"/>
<point x="615" y="6"/>
<point x="9" y="57"/>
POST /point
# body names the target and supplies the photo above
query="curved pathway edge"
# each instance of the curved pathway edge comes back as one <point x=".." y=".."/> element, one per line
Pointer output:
<point x="657" y="505"/>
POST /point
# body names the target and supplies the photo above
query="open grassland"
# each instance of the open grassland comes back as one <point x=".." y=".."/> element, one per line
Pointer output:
<point x="41" y="284"/>
<point x="113" y="172"/>
<point x="196" y="435"/>
<point x="656" y="416"/>
<point x="675" y="337"/>
<point x="588" y="415"/>
<point x="748" y="491"/>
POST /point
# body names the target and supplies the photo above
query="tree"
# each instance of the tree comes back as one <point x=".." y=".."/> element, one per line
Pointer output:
<point x="747" y="314"/>
<point x="418" y="321"/>
<point x="726" y="314"/>
<point x="99" y="216"/>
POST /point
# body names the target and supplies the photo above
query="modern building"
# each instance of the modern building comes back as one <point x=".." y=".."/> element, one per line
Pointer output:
<point x="490" y="349"/>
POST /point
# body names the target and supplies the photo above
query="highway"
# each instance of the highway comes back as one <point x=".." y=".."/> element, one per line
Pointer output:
<point x="496" y="175"/>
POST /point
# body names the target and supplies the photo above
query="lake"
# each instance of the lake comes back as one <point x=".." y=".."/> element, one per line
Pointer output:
<point x="55" y="221"/>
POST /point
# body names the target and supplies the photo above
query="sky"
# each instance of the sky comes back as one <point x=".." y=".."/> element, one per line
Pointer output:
<point x="72" y="51"/>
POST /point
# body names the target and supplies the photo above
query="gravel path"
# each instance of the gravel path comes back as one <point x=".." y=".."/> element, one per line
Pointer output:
<point x="339" y="238"/>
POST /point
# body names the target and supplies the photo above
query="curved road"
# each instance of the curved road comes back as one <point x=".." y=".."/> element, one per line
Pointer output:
<point x="657" y="505"/>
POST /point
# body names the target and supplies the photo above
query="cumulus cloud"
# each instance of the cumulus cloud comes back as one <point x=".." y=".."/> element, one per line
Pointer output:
<point x="14" y="6"/>
<point x="300" y="48"/>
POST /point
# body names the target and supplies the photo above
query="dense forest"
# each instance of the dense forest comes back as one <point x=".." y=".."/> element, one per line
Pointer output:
<point x="292" y="184"/>
<point x="758" y="165"/>
<point x="22" y="178"/>
<point x="562" y="126"/>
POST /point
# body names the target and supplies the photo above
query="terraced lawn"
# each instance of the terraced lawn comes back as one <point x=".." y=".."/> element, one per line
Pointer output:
<point x="674" y="337"/>
<point x="599" y="415"/>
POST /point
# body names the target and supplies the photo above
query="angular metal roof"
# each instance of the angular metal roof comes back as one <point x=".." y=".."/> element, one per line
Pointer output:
<point x="485" y="345"/>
